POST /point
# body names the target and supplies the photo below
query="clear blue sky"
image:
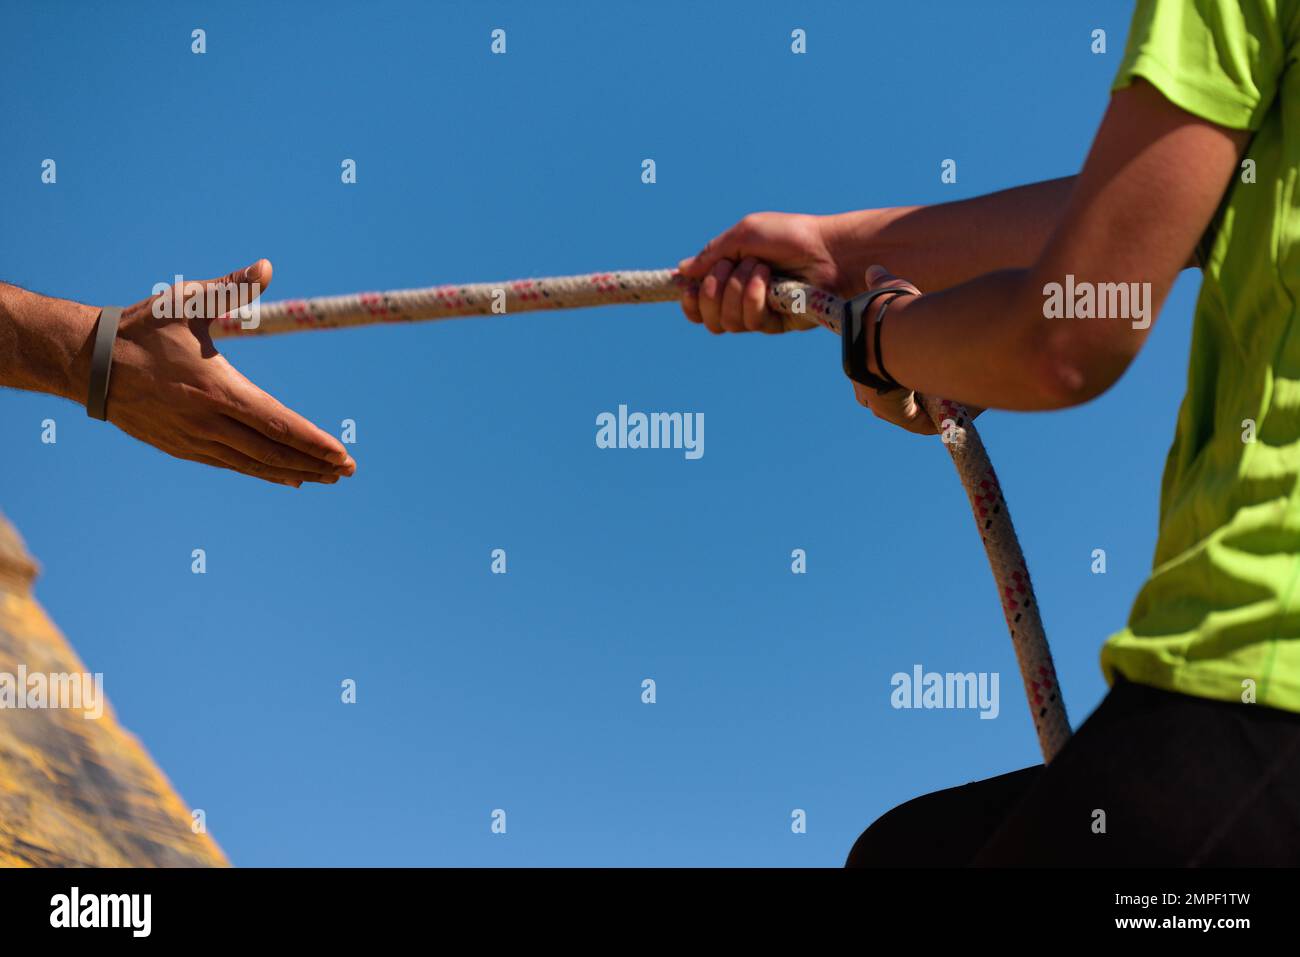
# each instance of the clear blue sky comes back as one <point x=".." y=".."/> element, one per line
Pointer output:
<point x="522" y="691"/>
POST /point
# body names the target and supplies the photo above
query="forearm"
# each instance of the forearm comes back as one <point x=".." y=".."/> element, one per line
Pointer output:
<point x="1127" y="231"/>
<point x="44" y="342"/>
<point x="987" y="343"/>
<point x="940" y="246"/>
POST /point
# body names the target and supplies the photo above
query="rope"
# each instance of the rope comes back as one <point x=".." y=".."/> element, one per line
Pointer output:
<point x="786" y="298"/>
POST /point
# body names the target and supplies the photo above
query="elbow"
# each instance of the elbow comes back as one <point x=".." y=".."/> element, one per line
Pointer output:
<point x="1071" y="365"/>
<point x="1079" y="336"/>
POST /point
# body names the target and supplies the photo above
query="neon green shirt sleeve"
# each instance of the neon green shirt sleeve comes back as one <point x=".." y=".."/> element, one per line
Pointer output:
<point x="1219" y="615"/>
<point x="1217" y="59"/>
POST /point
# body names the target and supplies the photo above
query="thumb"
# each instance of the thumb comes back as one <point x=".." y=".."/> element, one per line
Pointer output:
<point x="732" y="244"/>
<point x="219" y="297"/>
<point x="243" y="285"/>
<point x="878" y="277"/>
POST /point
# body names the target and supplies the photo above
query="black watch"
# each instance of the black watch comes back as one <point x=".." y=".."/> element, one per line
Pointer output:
<point x="853" y="338"/>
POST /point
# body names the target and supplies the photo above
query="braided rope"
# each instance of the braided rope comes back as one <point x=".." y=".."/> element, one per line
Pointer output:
<point x="788" y="298"/>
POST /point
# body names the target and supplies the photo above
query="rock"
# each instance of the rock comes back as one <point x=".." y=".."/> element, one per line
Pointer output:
<point x="76" y="791"/>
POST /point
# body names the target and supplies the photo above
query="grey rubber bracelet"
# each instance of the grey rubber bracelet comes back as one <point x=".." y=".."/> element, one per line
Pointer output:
<point x="101" y="362"/>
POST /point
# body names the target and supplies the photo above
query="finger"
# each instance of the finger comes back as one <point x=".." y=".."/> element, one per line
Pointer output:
<point x="890" y="407"/>
<point x="257" y="446"/>
<point x="217" y="463"/>
<point x="219" y="297"/>
<point x="917" y="419"/>
<point x="757" y="317"/>
<point x="875" y="273"/>
<point x="878" y="277"/>
<point x="260" y="411"/>
<point x="240" y="462"/>
<point x="723" y="246"/>
<point x="733" y="296"/>
<point x="897" y="408"/>
<point x="248" y="283"/>
<point x="711" y="290"/>
<point x="691" y="304"/>
<point x="887" y="406"/>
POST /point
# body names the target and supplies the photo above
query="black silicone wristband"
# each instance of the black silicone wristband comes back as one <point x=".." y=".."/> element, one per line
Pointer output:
<point x="853" y="333"/>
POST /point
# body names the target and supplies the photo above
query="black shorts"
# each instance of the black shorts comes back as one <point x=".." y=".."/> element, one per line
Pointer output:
<point x="1152" y="778"/>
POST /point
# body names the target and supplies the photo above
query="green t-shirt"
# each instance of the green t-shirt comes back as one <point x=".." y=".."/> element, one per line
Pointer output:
<point x="1222" y="607"/>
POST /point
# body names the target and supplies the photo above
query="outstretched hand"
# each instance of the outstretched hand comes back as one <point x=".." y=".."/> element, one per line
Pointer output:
<point x="170" y="387"/>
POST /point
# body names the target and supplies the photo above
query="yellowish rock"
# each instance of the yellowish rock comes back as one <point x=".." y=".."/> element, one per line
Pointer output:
<point x="76" y="791"/>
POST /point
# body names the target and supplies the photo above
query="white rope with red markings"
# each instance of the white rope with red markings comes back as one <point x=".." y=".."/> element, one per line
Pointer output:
<point x="787" y="298"/>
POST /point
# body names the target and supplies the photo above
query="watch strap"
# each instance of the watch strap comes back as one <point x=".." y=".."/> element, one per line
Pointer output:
<point x="853" y="338"/>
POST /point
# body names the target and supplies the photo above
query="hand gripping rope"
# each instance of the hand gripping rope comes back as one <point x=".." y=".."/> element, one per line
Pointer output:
<point x="787" y="298"/>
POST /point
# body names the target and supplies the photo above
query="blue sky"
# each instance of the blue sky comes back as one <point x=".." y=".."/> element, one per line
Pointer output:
<point x="523" y="691"/>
